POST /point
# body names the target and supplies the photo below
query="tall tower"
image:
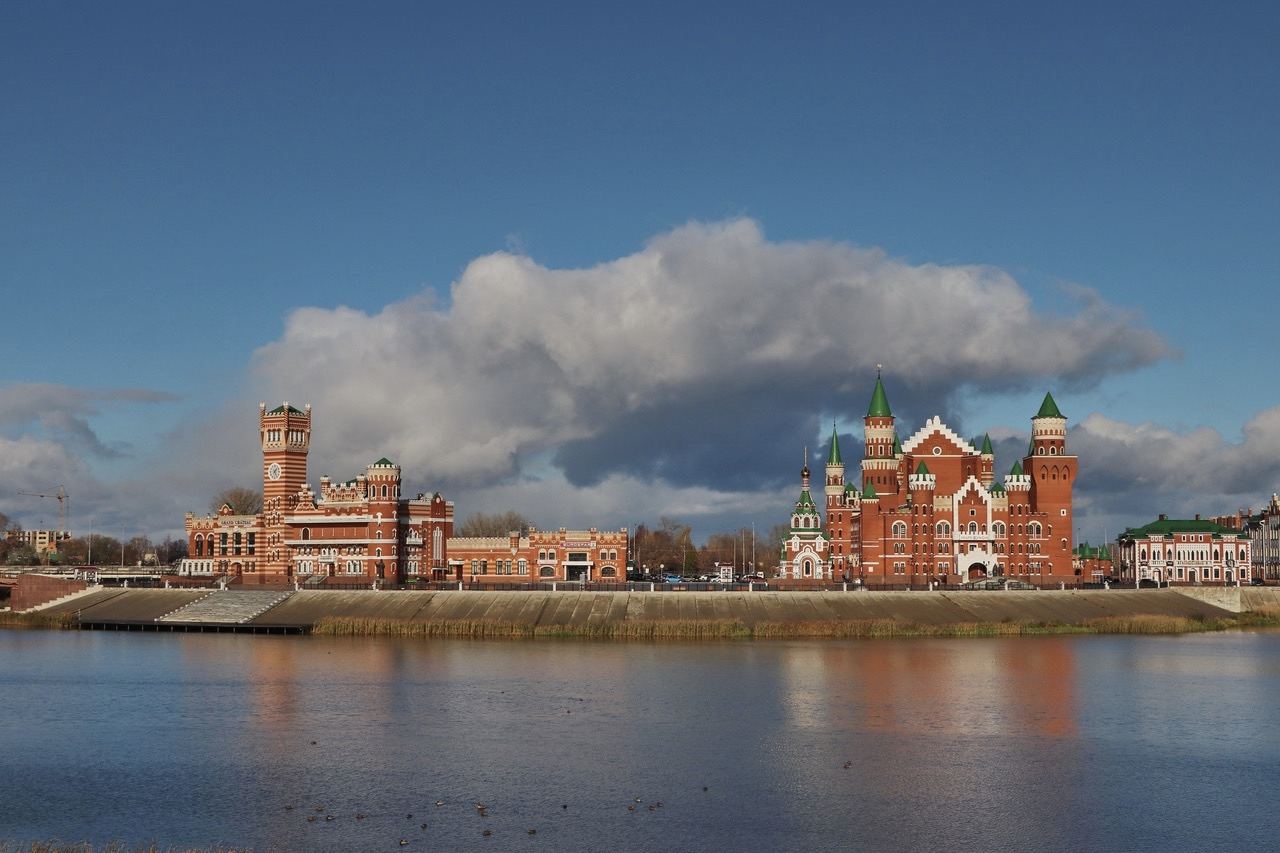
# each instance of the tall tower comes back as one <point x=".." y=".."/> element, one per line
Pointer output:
<point x="879" y="460"/>
<point x="383" y="481"/>
<point x="285" y="433"/>
<point x="286" y="437"/>
<point x="1053" y="477"/>
<point x="835" y="473"/>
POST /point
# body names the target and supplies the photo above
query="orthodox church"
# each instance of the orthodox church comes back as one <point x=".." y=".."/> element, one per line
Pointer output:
<point x="931" y="508"/>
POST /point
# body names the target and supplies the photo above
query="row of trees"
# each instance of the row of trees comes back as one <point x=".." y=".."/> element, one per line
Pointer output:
<point x="669" y="546"/>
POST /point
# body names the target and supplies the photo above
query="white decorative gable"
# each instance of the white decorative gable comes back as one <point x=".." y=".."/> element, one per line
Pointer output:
<point x="935" y="425"/>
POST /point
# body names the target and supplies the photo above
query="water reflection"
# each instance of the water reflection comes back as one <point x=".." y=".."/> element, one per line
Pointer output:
<point x="999" y="744"/>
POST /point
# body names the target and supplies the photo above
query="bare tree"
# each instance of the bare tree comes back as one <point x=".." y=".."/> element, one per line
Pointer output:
<point x="241" y="500"/>
<point x="498" y="524"/>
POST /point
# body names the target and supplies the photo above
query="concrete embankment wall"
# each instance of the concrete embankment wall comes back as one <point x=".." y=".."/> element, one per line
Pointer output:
<point x="562" y="608"/>
<point x="751" y="608"/>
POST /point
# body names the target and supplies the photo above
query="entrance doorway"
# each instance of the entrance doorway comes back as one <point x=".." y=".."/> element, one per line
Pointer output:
<point x="977" y="570"/>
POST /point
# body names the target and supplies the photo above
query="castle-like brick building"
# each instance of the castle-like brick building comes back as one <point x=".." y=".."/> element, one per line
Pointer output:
<point x="930" y="507"/>
<point x="363" y="530"/>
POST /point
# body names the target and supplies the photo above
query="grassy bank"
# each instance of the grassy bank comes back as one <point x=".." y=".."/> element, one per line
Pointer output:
<point x="732" y="629"/>
<point x="9" y="619"/>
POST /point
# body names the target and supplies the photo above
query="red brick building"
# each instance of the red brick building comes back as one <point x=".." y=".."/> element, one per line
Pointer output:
<point x="1189" y="550"/>
<point x="541" y="556"/>
<point x="363" y="530"/>
<point x="360" y="530"/>
<point x="930" y="507"/>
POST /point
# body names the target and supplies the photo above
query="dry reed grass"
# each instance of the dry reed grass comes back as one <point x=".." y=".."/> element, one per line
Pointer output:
<point x="9" y="619"/>
<point x="734" y="629"/>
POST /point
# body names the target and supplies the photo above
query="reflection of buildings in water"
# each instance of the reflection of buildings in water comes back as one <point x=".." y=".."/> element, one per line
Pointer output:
<point x="808" y="683"/>
<point x="941" y="687"/>
<point x="1039" y="679"/>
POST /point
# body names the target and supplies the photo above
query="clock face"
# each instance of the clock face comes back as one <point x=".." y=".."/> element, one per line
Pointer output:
<point x="274" y="471"/>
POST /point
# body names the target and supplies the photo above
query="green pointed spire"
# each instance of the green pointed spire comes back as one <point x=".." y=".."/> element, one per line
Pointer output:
<point x="1016" y="470"/>
<point x="833" y="456"/>
<point x="879" y="407"/>
<point x="869" y="492"/>
<point x="1049" y="409"/>
<point x="897" y="446"/>
<point x="986" y="445"/>
<point x="922" y="468"/>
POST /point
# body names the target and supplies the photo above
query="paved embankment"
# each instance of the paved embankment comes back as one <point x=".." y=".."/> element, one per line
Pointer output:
<point x="128" y="606"/>
<point x="750" y="608"/>
<point x="547" y="611"/>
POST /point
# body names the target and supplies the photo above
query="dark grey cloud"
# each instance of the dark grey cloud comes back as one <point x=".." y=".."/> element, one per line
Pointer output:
<point x="700" y="360"/>
<point x="63" y="412"/>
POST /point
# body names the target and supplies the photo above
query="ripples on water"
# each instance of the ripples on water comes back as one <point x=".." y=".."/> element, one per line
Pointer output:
<point x="1080" y="743"/>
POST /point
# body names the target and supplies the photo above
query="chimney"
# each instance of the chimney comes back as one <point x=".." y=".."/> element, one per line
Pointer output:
<point x="1164" y="517"/>
<point x="1197" y="516"/>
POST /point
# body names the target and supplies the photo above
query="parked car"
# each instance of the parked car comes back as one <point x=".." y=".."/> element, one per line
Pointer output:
<point x="672" y="579"/>
<point x="1257" y="582"/>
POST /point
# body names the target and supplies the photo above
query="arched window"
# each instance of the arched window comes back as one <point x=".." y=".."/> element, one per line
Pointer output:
<point x="899" y="528"/>
<point x="378" y="552"/>
<point x="944" y="529"/>
<point x="608" y="572"/>
<point x="1043" y="470"/>
<point x="998" y="528"/>
<point x="306" y="533"/>
<point x="546" y="572"/>
<point x="973" y="527"/>
<point x="1034" y="528"/>
<point x="808" y="568"/>
<point x="551" y="553"/>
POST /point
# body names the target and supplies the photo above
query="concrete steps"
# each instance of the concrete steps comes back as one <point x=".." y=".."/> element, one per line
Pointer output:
<point x="227" y="607"/>
<point x="71" y="596"/>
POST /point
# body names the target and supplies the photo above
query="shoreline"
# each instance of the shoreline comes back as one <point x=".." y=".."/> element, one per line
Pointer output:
<point x="642" y="629"/>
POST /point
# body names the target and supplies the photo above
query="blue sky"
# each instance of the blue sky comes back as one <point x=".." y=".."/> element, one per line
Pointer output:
<point x="179" y="178"/>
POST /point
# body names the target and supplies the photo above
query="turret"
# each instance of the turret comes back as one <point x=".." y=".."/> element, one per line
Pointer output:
<point x="922" y="481"/>
<point x="987" y="462"/>
<point x="835" y="472"/>
<point x="880" y="459"/>
<point x="1048" y="430"/>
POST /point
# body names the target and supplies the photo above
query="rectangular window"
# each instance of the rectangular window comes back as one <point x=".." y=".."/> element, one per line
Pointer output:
<point x="484" y="567"/>
<point x="222" y="544"/>
<point x="251" y="541"/>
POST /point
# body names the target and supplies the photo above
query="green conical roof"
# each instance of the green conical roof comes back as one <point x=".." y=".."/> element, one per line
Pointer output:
<point x="879" y="407"/>
<point x="833" y="455"/>
<point x="922" y="468"/>
<point x="384" y="461"/>
<point x="986" y="445"/>
<point x="806" y="501"/>
<point x="997" y="489"/>
<point x="1049" y="409"/>
<point x="869" y="491"/>
<point x="897" y="446"/>
<point x="1016" y="470"/>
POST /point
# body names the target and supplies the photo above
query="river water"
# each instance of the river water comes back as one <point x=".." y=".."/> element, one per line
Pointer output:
<point x="1061" y="743"/>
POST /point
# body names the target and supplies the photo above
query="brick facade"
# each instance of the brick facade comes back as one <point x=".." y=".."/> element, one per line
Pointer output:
<point x="930" y="507"/>
<point x="362" y="530"/>
<point x="541" y="556"/>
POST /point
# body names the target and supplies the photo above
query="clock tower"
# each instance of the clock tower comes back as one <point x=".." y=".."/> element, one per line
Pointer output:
<point x="285" y="433"/>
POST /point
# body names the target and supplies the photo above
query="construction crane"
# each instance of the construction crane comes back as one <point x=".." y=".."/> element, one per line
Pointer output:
<point x="63" y="500"/>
